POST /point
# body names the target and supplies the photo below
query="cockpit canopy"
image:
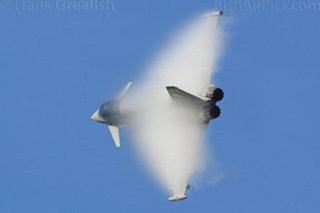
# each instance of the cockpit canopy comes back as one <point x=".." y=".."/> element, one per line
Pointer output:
<point x="109" y="109"/>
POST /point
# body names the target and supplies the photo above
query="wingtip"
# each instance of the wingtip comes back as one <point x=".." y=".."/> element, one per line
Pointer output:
<point x="213" y="13"/>
<point x="177" y="198"/>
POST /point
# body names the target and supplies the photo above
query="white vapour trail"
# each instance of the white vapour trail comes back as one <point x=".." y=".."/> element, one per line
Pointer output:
<point x="168" y="137"/>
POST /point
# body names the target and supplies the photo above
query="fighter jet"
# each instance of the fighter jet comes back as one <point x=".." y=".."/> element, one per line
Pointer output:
<point x="204" y="106"/>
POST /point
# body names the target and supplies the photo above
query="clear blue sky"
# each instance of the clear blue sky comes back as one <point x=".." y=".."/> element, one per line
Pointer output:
<point x="57" y="67"/>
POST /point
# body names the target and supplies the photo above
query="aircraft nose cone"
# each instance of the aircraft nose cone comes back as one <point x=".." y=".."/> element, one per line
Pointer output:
<point x="95" y="116"/>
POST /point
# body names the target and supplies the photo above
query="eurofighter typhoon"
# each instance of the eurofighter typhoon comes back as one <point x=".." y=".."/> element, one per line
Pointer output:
<point x="204" y="105"/>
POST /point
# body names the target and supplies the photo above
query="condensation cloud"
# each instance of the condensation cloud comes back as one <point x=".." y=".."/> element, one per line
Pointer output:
<point x="168" y="137"/>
